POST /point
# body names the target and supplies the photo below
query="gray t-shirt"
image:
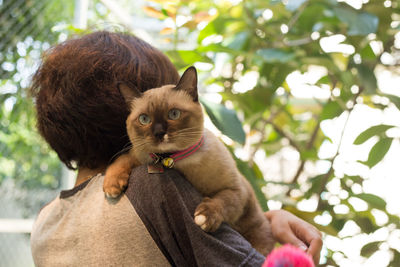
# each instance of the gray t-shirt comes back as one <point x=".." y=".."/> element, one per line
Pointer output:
<point x="151" y="224"/>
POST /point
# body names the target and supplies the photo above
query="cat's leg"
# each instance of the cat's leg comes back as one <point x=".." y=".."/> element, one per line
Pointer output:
<point x="260" y="236"/>
<point x="117" y="175"/>
<point x="255" y="227"/>
<point x="226" y="205"/>
<point x="238" y="207"/>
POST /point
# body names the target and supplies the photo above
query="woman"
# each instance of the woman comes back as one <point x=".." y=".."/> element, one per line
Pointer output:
<point x="81" y="114"/>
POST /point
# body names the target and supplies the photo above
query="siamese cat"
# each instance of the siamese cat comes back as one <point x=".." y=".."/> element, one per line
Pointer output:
<point x="165" y="127"/>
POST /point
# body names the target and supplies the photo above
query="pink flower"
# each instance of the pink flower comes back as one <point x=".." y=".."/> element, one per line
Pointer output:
<point x="288" y="256"/>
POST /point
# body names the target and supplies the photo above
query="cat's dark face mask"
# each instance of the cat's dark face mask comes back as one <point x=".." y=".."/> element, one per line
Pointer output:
<point x="165" y="119"/>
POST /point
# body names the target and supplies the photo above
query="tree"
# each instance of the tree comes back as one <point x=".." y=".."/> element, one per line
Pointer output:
<point x="271" y="41"/>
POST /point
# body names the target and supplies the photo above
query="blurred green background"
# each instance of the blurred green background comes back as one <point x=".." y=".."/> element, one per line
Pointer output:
<point x="315" y="85"/>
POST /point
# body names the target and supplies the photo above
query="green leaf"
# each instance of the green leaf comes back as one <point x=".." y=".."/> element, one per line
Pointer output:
<point x="324" y="80"/>
<point x="365" y="224"/>
<point x="355" y="179"/>
<point x="217" y="26"/>
<point x="360" y="23"/>
<point x="189" y="56"/>
<point x="338" y="224"/>
<point x="218" y="48"/>
<point x="340" y="60"/>
<point x="394" y="99"/>
<point x="367" y="52"/>
<point x="275" y="55"/>
<point x="373" y="200"/>
<point x="207" y="31"/>
<point x="394" y="219"/>
<point x="331" y="110"/>
<point x="310" y="154"/>
<point x="348" y="80"/>
<point x="315" y="185"/>
<point x="182" y="58"/>
<point x="396" y="258"/>
<point x="237" y="41"/>
<point x="370" y="248"/>
<point x="165" y="12"/>
<point x="293" y="5"/>
<point x="225" y="120"/>
<point x="254" y="178"/>
<point x="367" y="78"/>
<point x="378" y="151"/>
<point x="370" y="132"/>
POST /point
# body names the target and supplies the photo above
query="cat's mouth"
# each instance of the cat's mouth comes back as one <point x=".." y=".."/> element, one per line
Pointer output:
<point x="164" y="139"/>
<point x="168" y="144"/>
<point x="163" y="144"/>
<point x="164" y="147"/>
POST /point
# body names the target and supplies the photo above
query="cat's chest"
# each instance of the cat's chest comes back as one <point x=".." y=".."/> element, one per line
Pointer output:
<point x="195" y="169"/>
<point x="204" y="169"/>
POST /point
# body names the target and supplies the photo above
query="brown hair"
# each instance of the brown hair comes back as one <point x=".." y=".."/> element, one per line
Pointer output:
<point x="80" y="111"/>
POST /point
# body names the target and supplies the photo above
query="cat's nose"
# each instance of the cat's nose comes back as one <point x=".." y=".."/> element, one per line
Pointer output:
<point x="160" y="135"/>
<point x="159" y="131"/>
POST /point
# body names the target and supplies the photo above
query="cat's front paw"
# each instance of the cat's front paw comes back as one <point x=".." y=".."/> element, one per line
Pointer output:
<point x="114" y="185"/>
<point x="208" y="215"/>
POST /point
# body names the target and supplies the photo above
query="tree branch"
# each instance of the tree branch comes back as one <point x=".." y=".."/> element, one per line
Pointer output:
<point x="325" y="178"/>
<point x="265" y="122"/>
<point x="309" y="145"/>
<point x="282" y="133"/>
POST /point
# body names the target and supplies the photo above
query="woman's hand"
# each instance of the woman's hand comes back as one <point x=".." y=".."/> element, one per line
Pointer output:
<point x="288" y="228"/>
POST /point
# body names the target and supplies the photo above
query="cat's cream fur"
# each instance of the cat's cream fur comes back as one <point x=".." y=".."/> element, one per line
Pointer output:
<point x="228" y="196"/>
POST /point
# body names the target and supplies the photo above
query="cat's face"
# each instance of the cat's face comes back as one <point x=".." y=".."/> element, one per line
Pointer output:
<point x="166" y="119"/>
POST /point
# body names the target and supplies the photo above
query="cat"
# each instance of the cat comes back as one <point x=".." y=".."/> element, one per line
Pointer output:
<point x="169" y="119"/>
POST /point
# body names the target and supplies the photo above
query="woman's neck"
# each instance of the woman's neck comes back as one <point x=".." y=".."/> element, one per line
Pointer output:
<point x="85" y="173"/>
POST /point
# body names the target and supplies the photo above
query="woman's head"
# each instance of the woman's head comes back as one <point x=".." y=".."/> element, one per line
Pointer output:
<point x="80" y="111"/>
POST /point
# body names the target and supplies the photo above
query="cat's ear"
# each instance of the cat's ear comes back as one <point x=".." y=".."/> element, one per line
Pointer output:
<point x="127" y="92"/>
<point x="188" y="82"/>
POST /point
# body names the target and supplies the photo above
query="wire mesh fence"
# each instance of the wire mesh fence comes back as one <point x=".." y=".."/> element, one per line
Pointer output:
<point x="30" y="174"/>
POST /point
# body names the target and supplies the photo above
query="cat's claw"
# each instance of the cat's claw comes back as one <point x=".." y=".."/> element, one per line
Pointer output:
<point x="109" y="195"/>
<point x="200" y="221"/>
<point x="208" y="215"/>
<point x="114" y="186"/>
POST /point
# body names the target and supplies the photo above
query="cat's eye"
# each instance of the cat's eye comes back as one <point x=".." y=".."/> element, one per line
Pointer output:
<point x="174" y="114"/>
<point x="144" y="119"/>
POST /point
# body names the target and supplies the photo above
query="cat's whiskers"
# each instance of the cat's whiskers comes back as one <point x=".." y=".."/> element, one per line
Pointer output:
<point x="127" y="147"/>
<point x="141" y="144"/>
<point x="189" y="129"/>
<point x="188" y="132"/>
<point x="186" y="135"/>
<point x="144" y="145"/>
<point x="188" y="139"/>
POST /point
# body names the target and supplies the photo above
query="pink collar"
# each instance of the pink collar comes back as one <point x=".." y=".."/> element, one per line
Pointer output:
<point x="168" y="160"/>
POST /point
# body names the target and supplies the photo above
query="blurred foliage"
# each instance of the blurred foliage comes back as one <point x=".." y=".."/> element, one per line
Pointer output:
<point x="274" y="39"/>
<point x="28" y="28"/>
